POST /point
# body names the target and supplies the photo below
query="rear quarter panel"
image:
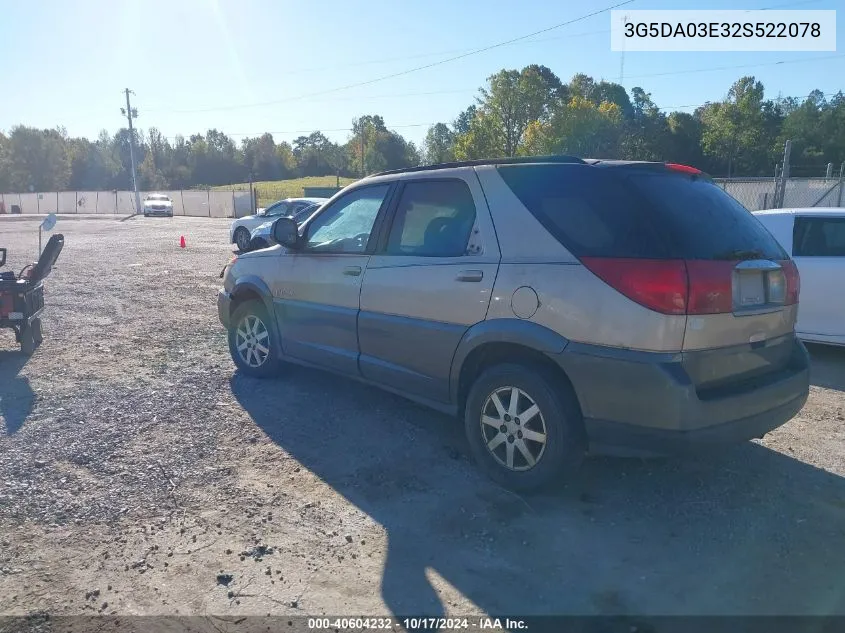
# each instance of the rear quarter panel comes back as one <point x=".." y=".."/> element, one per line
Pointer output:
<point x="572" y="301"/>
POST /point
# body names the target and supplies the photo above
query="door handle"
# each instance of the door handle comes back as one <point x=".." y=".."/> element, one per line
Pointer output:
<point x="352" y="271"/>
<point x="470" y="275"/>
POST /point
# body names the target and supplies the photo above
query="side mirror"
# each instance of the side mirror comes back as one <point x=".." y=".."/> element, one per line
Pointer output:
<point x="286" y="233"/>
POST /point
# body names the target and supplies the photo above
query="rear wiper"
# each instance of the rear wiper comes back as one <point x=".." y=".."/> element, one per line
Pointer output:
<point x="740" y="254"/>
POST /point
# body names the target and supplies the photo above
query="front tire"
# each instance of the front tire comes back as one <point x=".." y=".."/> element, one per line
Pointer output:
<point x="524" y="426"/>
<point x="252" y="343"/>
<point x="242" y="239"/>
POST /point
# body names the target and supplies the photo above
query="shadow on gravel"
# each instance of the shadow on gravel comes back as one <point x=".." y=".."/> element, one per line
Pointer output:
<point x="16" y="396"/>
<point x="746" y="530"/>
<point x="828" y="366"/>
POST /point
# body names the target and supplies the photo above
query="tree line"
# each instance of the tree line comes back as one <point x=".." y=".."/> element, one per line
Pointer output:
<point x="517" y="113"/>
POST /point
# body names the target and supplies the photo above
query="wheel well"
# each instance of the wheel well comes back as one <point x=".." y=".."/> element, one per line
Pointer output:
<point x="490" y="354"/>
<point x="241" y="296"/>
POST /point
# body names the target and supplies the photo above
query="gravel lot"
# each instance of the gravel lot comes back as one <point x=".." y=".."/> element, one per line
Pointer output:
<point x="139" y="474"/>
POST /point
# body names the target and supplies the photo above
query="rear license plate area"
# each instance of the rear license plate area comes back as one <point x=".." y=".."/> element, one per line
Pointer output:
<point x="750" y="289"/>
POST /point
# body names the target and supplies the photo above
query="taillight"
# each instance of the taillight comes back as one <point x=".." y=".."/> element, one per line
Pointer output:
<point x="710" y="286"/>
<point x="793" y="281"/>
<point x="672" y="286"/>
<point x="658" y="284"/>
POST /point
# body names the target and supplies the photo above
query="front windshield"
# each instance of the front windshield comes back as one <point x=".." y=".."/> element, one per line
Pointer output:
<point x="276" y="209"/>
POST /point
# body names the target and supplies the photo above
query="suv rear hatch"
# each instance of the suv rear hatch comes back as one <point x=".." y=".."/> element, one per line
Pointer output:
<point x="742" y="288"/>
<point x="667" y="237"/>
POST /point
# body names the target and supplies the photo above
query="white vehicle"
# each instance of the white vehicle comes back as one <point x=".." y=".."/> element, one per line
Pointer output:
<point x="158" y="204"/>
<point x="239" y="233"/>
<point x="815" y="237"/>
<point x="262" y="235"/>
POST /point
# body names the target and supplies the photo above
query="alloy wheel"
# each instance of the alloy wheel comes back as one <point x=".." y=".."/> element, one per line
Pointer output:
<point x="252" y="341"/>
<point x="513" y="428"/>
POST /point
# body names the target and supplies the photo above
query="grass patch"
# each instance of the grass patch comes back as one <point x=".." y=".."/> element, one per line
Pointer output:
<point x="271" y="190"/>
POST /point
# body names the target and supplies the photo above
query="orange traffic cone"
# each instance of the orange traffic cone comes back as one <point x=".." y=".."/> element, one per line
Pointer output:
<point x="182" y="241"/>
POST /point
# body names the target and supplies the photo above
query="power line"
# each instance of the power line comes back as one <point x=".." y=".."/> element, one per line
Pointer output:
<point x="409" y="70"/>
<point x="413" y="125"/>
<point x="776" y="99"/>
<point x="437" y="92"/>
<point x="310" y="130"/>
<point x="452" y="51"/>
<point x="712" y="68"/>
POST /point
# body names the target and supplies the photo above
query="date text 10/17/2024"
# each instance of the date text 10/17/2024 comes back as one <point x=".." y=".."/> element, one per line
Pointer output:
<point x="418" y="623"/>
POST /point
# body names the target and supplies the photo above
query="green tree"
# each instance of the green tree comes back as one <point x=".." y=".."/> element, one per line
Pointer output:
<point x="92" y="165"/>
<point x="439" y="143"/>
<point x="512" y="100"/>
<point x="464" y="120"/>
<point x="579" y="128"/>
<point x="4" y="162"/>
<point x="36" y="159"/>
<point x="261" y="158"/>
<point x="733" y="131"/>
<point x="481" y="140"/>
<point x="684" y="144"/>
<point x="646" y="132"/>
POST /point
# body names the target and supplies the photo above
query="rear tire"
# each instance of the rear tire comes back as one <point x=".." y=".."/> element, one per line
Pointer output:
<point x="27" y="340"/>
<point x="252" y="342"/>
<point x="526" y="453"/>
<point x="242" y="239"/>
<point x="37" y="334"/>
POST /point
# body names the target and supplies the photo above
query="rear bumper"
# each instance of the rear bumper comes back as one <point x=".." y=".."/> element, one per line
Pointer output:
<point x="610" y="437"/>
<point x="647" y="401"/>
<point x="224" y="304"/>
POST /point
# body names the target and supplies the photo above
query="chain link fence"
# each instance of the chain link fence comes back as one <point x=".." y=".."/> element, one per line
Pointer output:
<point x="771" y="193"/>
<point x="240" y="200"/>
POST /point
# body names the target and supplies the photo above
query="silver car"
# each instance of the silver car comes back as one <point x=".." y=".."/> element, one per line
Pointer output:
<point x="557" y="306"/>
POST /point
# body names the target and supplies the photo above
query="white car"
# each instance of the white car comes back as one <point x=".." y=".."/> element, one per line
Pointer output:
<point x="158" y="204"/>
<point x="262" y="235"/>
<point x="815" y="238"/>
<point x="239" y="232"/>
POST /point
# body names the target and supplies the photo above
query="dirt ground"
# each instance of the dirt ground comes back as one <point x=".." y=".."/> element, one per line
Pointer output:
<point x="140" y="474"/>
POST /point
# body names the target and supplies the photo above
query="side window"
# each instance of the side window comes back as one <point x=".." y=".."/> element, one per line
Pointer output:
<point x="433" y="219"/>
<point x="345" y="226"/>
<point x="819" y="237"/>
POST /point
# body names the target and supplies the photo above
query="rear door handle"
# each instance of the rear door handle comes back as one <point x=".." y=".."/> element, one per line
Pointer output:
<point x="352" y="271"/>
<point x="470" y="275"/>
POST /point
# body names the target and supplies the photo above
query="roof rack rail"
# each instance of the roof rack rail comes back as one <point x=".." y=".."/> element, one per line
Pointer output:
<point x="485" y="161"/>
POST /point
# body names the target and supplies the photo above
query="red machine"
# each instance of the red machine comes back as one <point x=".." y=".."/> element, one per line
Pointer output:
<point x="22" y="295"/>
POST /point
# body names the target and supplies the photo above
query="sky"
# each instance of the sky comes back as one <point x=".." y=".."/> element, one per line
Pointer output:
<point x="251" y="66"/>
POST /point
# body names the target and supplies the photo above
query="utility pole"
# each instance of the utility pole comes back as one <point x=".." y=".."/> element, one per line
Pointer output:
<point x="784" y="174"/>
<point x="132" y="113"/>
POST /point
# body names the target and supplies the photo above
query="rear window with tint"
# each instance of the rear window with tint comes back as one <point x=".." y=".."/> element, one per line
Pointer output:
<point x="706" y="221"/>
<point x="640" y="213"/>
